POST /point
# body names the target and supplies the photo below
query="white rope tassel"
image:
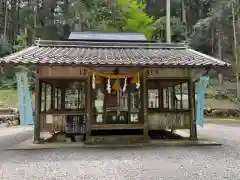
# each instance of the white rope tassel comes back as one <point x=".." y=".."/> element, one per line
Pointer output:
<point x="138" y="83"/>
<point x="125" y="85"/>
<point x="109" y="86"/>
<point x="38" y="42"/>
<point x="2" y="70"/>
<point x="94" y="81"/>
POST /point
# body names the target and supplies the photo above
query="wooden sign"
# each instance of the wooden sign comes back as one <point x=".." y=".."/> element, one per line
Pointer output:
<point x="62" y="71"/>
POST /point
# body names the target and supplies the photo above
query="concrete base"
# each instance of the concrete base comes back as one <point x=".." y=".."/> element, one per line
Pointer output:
<point x="36" y="141"/>
<point x="126" y="139"/>
<point x="193" y="138"/>
<point x="28" y="145"/>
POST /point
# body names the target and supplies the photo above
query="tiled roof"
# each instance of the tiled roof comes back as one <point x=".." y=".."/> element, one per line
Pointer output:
<point x="111" y="53"/>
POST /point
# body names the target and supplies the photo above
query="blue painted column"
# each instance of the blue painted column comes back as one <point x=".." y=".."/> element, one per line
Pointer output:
<point x="24" y="99"/>
<point x="200" y="89"/>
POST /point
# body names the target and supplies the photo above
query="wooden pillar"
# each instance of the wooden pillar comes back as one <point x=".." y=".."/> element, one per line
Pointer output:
<point x="193" y="127"/>
<point x="89" y="107"/>
<point x="37" y="123"/>
<point x="194" y="112"/>
<point x="144" y="102"/>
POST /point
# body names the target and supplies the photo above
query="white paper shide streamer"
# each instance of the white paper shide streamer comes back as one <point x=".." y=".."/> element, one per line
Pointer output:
<point x="109" y="86"/>
<point x="125" y="85"/>
<point x="138" y="83"/>
<point x="93" y="81"/>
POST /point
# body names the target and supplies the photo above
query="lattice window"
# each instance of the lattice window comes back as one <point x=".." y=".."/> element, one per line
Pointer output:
<point x="63" y="95"/>
<point x="75" y="96"/>
<point x="168" y="95"/>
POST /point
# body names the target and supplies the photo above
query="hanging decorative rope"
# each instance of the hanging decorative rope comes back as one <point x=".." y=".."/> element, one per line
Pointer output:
<point x="93" y="81"/>
<point x="109" y="86"/>
<point x="138" y="82"/>
<point x="116" y="86"/>
<point x="134" y="79"/>
<point x="134" y="75"/>
<point x="98" y="79"/>
<point x="125" y="85"/>
<point x="113" y="76"/>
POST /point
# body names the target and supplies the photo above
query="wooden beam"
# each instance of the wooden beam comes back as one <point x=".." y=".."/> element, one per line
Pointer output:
<point x="89" y="106"/>
<point x="116" y="126"/>
<point x="191" y="96"/>
<point x="37" y="124"/>
<point x="144" y="104"/>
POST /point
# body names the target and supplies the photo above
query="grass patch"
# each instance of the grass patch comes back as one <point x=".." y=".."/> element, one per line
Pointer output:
<point x="8" y="98"/>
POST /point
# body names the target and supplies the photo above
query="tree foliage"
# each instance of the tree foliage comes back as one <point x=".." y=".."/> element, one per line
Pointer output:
<point x="177" y="30"/>
<point x="134" y="17"/>
<point x="5" y="48"/>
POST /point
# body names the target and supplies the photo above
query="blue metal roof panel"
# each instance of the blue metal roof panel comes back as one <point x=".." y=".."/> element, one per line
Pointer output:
<point x="121" y="36"/>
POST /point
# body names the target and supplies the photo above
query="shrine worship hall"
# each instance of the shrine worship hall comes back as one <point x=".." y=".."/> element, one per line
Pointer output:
<point x="98" y="90"/>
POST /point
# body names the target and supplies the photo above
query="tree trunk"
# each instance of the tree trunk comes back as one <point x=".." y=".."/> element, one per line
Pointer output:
<point x="220" y="54"/>
<point x="184" y="18"/>
<point x="212" y="39"/>
<point x="235" y="48"/>
<point x="168" y="21"/>
<point x="5" y="22"/>
<point x="37" y="21"/>
<point x="65" y="8"/>
<point x="14" y="21"/>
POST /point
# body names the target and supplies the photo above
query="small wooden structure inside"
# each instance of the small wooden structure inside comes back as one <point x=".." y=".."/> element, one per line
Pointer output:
<point x="112" y="91"/>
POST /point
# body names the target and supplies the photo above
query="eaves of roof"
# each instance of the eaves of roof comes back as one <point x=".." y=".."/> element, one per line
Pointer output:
<point x="112" y="53"/>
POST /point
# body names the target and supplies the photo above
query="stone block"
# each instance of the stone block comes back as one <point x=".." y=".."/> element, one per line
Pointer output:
<point x="61" y="137"/>
<point x="79" y="138"/>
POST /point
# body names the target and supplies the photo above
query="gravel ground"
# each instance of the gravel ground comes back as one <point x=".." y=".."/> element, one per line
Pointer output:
<point x="151" y="163"/>
<point x="13" y="137"/>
